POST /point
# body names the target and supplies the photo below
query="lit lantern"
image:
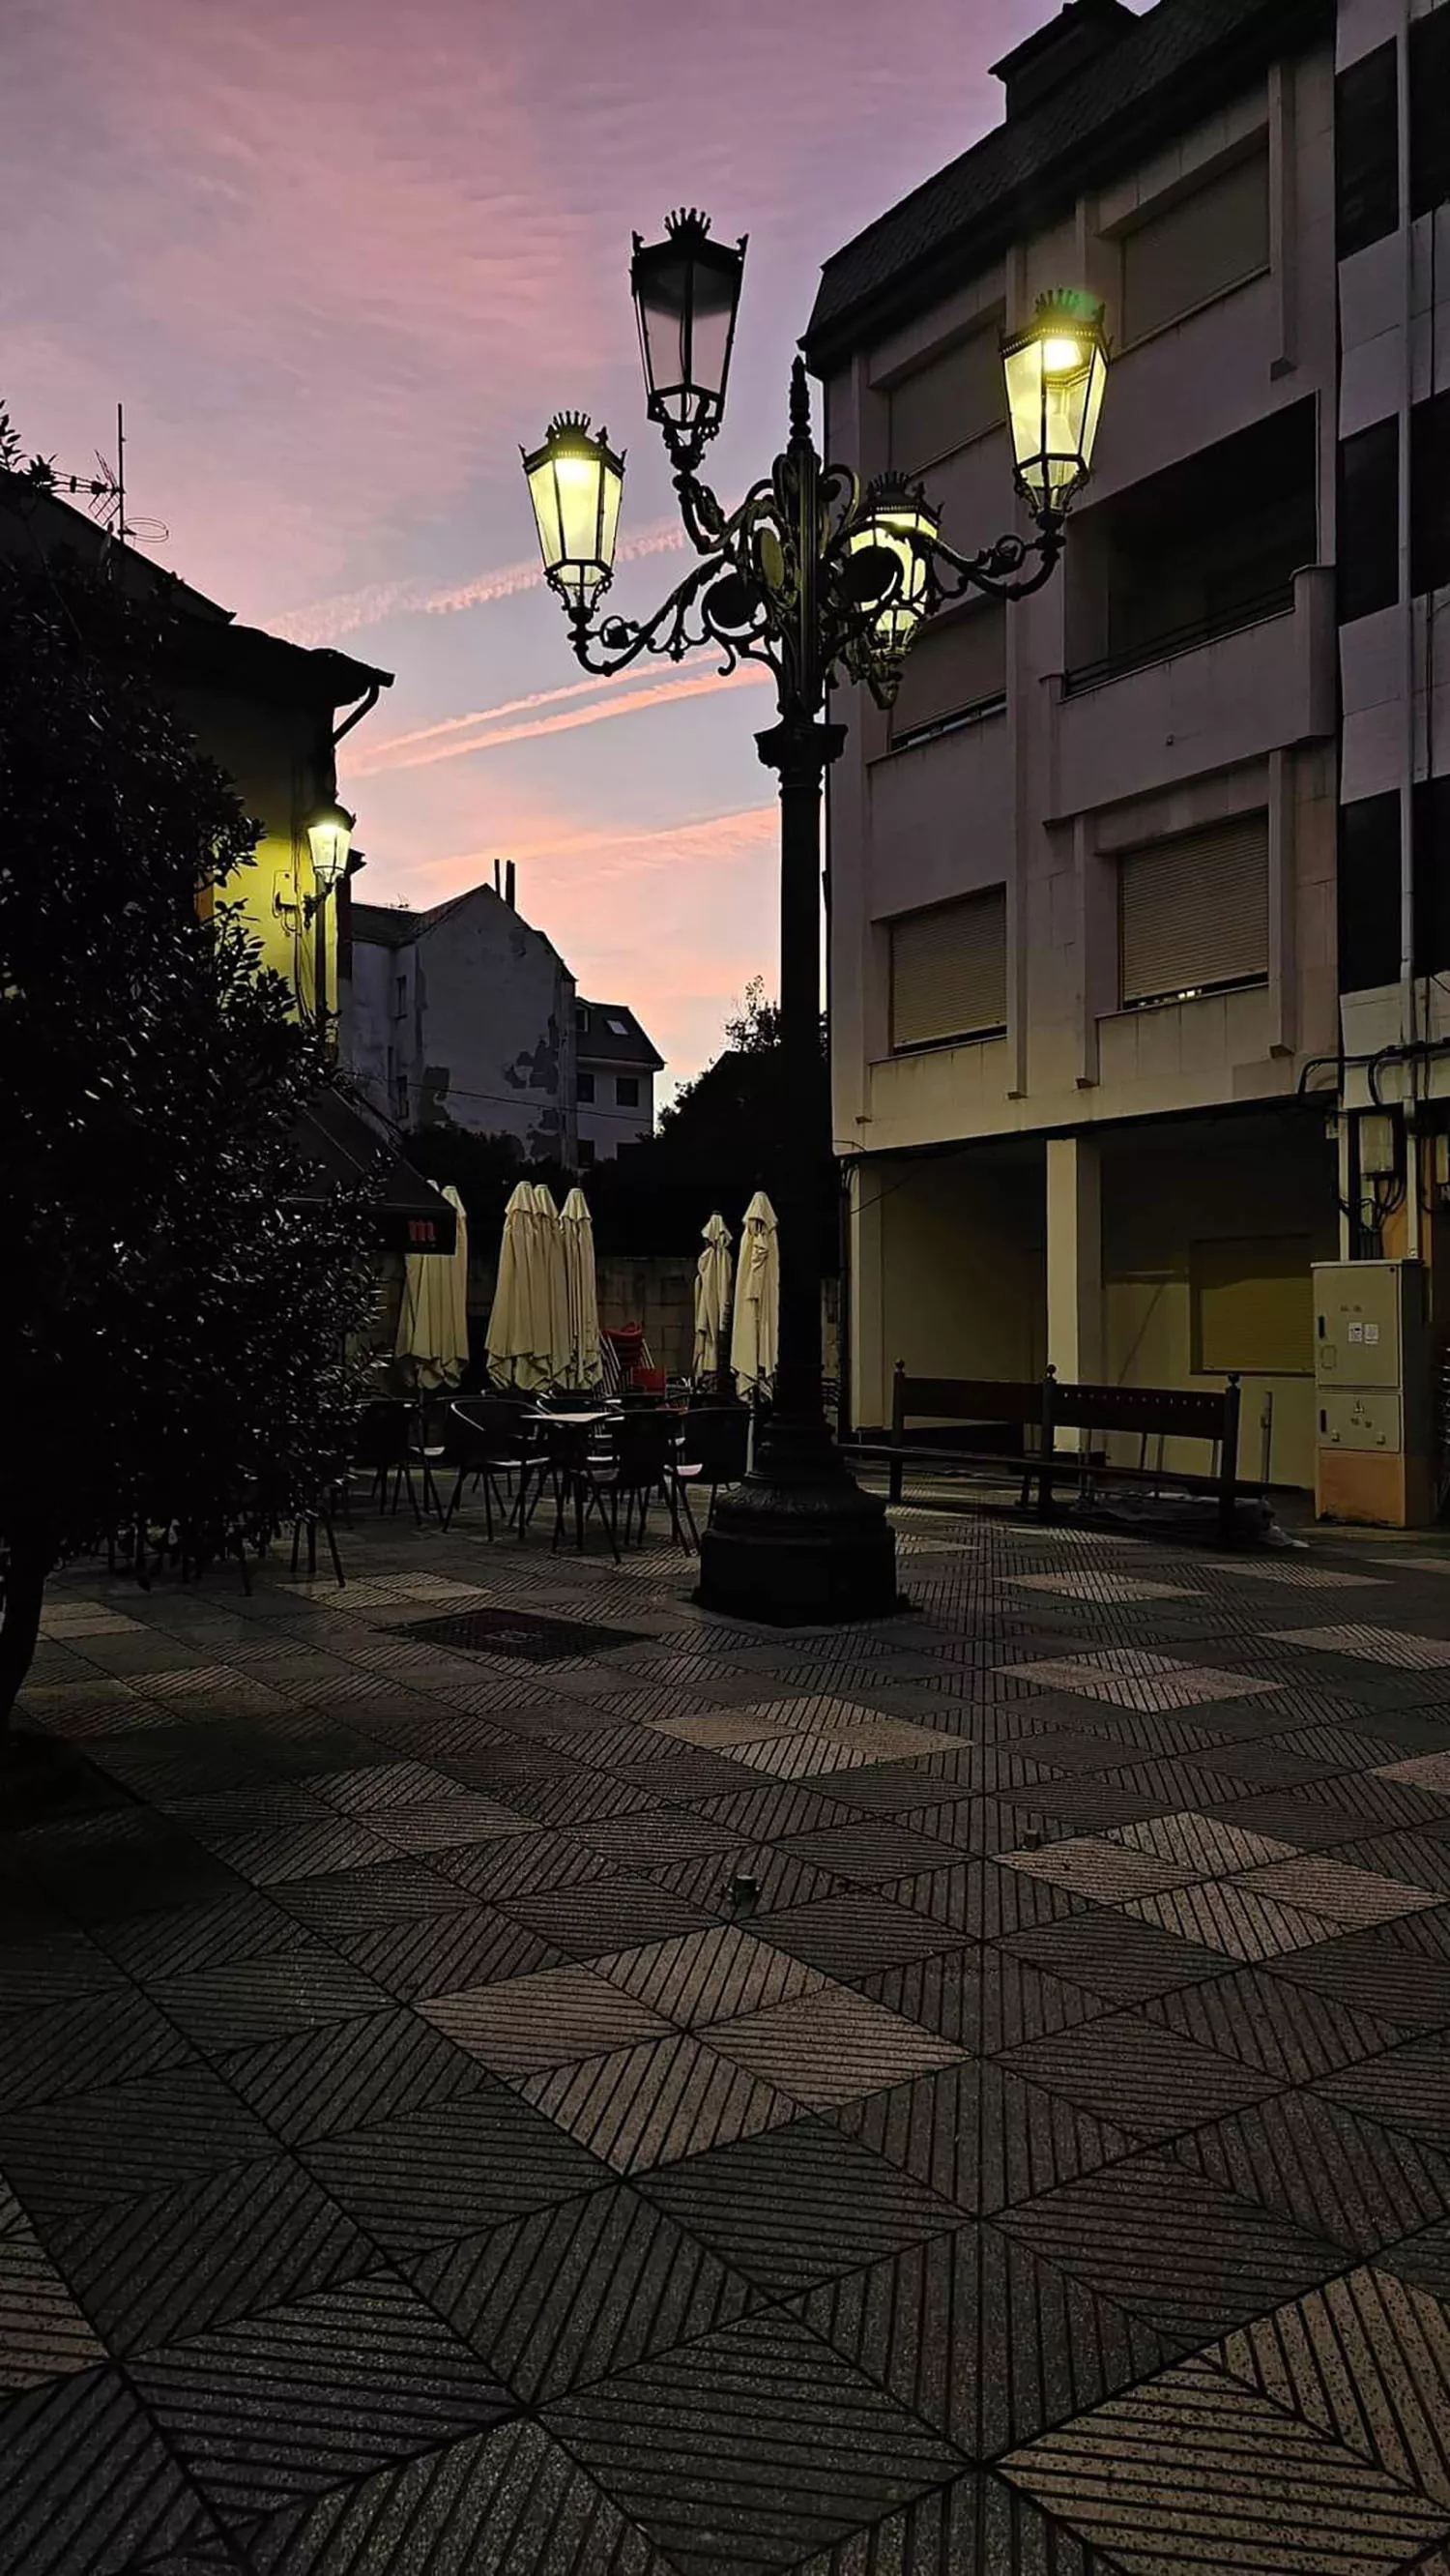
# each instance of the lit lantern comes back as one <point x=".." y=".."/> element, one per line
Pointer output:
<point x="899" y="513"/>
<point x="575" y="481"/>
<point x="686" y="290"/>
<point x="329" y="836"/>
<point x="1056" y="370"/>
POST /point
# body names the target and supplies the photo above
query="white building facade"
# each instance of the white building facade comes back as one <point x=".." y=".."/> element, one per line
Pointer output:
<point x="1135" y="867"/>
<point x="464" y="1012"/>
<point x="617" y="1066"/>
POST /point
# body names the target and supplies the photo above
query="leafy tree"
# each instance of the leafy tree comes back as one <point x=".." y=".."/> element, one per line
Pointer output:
<point x="717" y="1143"/>
<point x="176" y="1325"/>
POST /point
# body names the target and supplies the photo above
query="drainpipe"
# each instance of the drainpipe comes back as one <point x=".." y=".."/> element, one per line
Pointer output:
<point x="364" y="707"/>
<point x="1409" y="1001"/>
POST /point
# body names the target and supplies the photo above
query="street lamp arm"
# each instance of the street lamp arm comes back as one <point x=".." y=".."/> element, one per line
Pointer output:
<point x="706" y="523"/>
<point x="710" y="607"/>
<point x="997" y="571"/>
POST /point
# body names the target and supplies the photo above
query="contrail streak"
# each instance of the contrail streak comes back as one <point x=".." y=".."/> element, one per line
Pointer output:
<point x="379" y="751"/>
<point x="566" y="719"/>
<point x="330" y="619"/>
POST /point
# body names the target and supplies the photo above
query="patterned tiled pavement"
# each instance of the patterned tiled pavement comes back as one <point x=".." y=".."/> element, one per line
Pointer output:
<point x="642" y="2097"/>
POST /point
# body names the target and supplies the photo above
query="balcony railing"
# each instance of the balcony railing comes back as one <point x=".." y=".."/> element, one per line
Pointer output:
<point x="1278" y="602"/>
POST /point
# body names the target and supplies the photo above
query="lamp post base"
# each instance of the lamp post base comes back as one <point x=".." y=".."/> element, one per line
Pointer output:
<point x="798" y="1543"/>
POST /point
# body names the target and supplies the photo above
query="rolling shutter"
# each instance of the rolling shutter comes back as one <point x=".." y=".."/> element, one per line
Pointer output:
<point x="949" y="970"/>
<point x="953" y="665"/>
<point x="1201" y="247"/>
<point x="1194" y="912"/>
<point x="936" y="410"/>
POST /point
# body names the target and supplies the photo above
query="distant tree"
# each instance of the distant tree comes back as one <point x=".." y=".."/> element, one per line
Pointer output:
<point x="484" y="1169"/>
<point x="717" y="1143"/>
<point x="177" y="1326"/>
<point x="729" y="1119"/>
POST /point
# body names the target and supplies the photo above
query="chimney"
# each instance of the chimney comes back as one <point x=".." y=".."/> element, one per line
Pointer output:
<point x="510" y="881"/>
<point x="498" y="878"/>
<point x="1081" y="31"/>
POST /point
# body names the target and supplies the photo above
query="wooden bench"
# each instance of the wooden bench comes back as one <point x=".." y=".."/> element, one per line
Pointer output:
<point x="1041" y="1407"/>
<point x="1153" y="1412"/>
<point x="990" y="1403"/>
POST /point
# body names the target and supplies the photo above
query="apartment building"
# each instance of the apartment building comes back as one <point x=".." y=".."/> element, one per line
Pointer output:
<point x="1140" y="896"/>
<point x="617" y="1069"/>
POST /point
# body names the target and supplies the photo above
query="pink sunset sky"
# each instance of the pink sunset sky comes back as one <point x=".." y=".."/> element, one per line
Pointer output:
<point x="340" y="259"/>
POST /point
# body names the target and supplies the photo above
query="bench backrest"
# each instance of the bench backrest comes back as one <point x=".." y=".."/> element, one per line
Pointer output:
<point x="1174" y="1411"/>
<point x="964" y="1399"/>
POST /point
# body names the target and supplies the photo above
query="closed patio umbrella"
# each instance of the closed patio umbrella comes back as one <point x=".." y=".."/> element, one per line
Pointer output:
<point x="576" y="1228"/>
<point x="755" y="1331"/>
<point x="518" y="1326"/>
<point x="712" y="1296"/>
<point x="553" y="1285"/>
<point x="432" y="1344"/>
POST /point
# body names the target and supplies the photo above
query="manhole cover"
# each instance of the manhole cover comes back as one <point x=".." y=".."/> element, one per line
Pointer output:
<point x="521" y="1632"/>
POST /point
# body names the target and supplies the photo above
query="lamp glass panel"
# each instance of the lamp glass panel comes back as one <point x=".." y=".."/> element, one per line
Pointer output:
<point x="687" y="318"/>
<point x="891" y="527"/>
<point x="329" y="839"/>
<point x="543" y="493"/>
<point x="1054" y="394"/>
<point x="576" y="493"/>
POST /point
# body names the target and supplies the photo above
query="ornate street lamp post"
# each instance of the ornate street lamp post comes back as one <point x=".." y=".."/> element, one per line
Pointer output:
<point x="813" y="576"/>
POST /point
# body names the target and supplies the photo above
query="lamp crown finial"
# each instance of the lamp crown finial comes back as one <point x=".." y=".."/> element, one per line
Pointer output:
<point x="566" y="420"/>
<point x="687" y="223"/>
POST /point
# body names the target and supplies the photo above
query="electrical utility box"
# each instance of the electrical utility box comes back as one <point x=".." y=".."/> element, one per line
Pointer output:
<point x="1372" y="1393"/>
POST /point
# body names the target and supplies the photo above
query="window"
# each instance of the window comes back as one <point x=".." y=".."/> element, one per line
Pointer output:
<point x="1199" y="248"/>
<point x="581" y="1015"/>
<point x="1193" y="912"/>
<point x="626" y="1090"/>
<point x="618" y="1028"/>
<point x="1252" y="1305"/>
<point x="1366" y="152"/>
<point x="1369" y="892"/>
<point x="400" y="997"/>
<point x="1429" y="120"/>
<point x="1430" y="494"/>
<point x="955" y="664"/>
<point x="586" y="1090"/>
<point x="1207" y="545"/>
<point x="1430" y="829"/>
<point x="587" y="1153"/>
<point x="949" y="971"/>
<point x="943" y="405"/>
<point x="1367" y="541"/>
<point x="400" y="1099"/>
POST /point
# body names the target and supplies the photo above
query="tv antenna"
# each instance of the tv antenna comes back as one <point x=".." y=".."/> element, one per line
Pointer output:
<point x="105" y="494"/>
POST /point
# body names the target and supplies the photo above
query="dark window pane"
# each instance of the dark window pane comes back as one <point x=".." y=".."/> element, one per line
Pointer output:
<point x="626" y="1090"/>
<point x="1369" y="893"/>
<point x="586" y="1088"/>
<point x="1430" y="111"/>
<point x="1367" y="542"/>
<point x="1210" y="543"/>
<point x="1430" y="825"/>
<point x="1430" y="493"/>
<point x="1366" y="152"/>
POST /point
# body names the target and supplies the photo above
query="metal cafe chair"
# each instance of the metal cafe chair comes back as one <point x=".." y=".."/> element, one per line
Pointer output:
<point x="484" y="1439"/>
<point x="387" y="1446"/>
<point x="570" y="1461"/>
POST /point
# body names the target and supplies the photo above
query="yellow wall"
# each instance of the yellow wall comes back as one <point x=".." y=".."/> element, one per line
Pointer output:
<point x="948" y="1272"/>
<point x="1202" y="1225"/>
<point x="1209" y="1227"/>
<point x="279" y="759"/>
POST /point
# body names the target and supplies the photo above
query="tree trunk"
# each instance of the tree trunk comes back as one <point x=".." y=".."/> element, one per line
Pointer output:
<point x="31" y="1559"/>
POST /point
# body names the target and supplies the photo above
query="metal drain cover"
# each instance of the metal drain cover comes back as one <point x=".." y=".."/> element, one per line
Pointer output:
<point x="534" y="1639"/>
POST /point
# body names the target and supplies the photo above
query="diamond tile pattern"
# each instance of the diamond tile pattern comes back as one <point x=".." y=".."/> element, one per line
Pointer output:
<point x="954" y="2098"/>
